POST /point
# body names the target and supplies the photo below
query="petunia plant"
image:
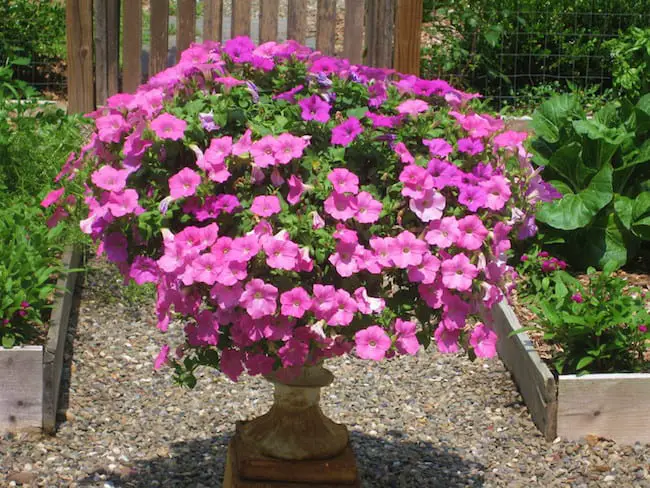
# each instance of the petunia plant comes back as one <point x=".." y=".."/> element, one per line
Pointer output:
<point x="292" y="207"/>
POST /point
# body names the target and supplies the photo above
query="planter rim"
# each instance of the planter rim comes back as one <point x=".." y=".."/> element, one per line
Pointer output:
<point x="24" y="347"/>
<point x="607" y="376"/>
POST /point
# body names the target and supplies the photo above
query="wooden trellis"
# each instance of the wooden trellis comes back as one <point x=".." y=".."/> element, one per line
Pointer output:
<point x="383" y="33"/>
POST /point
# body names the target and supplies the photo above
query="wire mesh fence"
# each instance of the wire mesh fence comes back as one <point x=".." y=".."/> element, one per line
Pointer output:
<point x="516" y="55"/>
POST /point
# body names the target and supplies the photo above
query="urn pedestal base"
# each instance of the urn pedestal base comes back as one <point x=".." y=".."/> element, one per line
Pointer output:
<point x="247" y="467"/>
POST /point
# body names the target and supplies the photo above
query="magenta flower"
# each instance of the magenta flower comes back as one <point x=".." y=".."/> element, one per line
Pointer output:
<point x="243" y="145"/>
<point x="144" y="270"/>
<point x="166" y="126"/>
<point x="162" y="357"/>
<point x="281" y="254"/>
<point x="438" y="147"/>
<point x="115" y="247"/>
<point x="295" y="302"/>
<point x="226" y="297"/>
<point x="429" y="207"/>
<point x="470" y="146"/>
<point x="368" y="209"/>
<point x="425" y="272"/>
<point x="265" y="206"/>
<point x="110" y="128"/>
<point x="404" y="155"/>
<point x="259" y="298"/>
<point x="184" y="183"/>
<point x="498" y="192"/>
<point x="347" y="260"/>
<point x="510" y="139"/>
<point x="343" y="309"/>
<point x="289" y="147"/>
<point x="367" y="304"/>
<point x="123" y="203"/>
<point x="317" y="221"/>
<point x="484" y="341"/>
<point x="473" y="197"/>
<point x="264" y="152"/>
<point x="340" y="206"/>
<point x="446" y="340"/>
<point x="231" y="272"/>
<point x="244" y="248"/>
<point x="472" y="233"/>
<point x="259" y="363"/>
<point x="52" y="197"/>
<point x="416" y="181"/>
<point x="314" y="108"/>
<point x="577" y="297"/>
<point x="443" y="233"/>
<point x="372" y="343"/>
<point x="407" y="250"/>
<point x="382" y="248"/>
<point x="296" y="189"/>
<point x="344" y="181"/>
<point x="231" y="363"/>
<point x="323" y="301"/>
<point x="207" y="268"/>
<point x="109" y="178"/>
<point x="407" y="342"/>
<point x="458" y="273"/>
<point x="412" y="107"/>
<point x="643" y="328"/>
<point x="294" y="353"/>
<point x="346" y="132"/>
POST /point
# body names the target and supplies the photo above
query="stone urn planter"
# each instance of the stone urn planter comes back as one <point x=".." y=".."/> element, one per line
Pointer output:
<point x="294" y="442"/>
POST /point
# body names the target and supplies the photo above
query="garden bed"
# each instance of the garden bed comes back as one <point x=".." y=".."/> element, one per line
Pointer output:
<point x="31" y="383"/>
<point x="610" y="406"/>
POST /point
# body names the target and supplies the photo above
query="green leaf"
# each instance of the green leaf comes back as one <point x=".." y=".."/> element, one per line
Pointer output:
<point x="560" y="289"/>
<point x="643" y="113"/>
<point x="552" y="115"/>
<point x="8" y="341"/>
<point x="604" y="241"/>
<point x="565" y="161"/>
<point x="623" y="206"/>
<point x="641" y="205"/>
<point x="584" y="362"/>
<point x="576" y="210"/>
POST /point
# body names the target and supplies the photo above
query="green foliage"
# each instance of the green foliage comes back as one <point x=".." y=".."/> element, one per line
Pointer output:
<point x="630" y="58"/>
<point x="33" y="29"/>
<point x="600" y="165"/>
<point x="600" y="327"/>
<point x="28" y="262"/>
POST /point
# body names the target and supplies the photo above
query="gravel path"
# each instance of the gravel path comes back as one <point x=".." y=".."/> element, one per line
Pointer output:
<point x="429" y="421"/>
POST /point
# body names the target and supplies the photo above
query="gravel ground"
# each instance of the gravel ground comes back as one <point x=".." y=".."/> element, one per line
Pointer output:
<point x="429" y="421"/>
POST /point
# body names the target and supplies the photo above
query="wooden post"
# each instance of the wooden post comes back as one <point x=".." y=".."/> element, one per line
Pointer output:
<point x="112" y="46"/>
<point x="380" y="25"/>
<point x="186" y="20"/>
<point x="79" y="33"/>
<point x="326" y="27"/>
<point x="241" y="18"/>
<point x="408" y="36"/>
<point x="159" y="40"/>
<point x="269" y="20"/>
<point x="353" y="31"/>
<point x="212" y="20"/>
<point x="297" y="20"/>
<point x="101" y="50"/>
<point x="132" y="49"/>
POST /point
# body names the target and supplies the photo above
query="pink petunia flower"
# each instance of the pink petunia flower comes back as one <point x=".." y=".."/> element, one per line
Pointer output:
<point x="281" y="254"/>
<point x="294" y="353"/>
<point x="166" y="126"/>
<point x="367" y="304"/>
<point x="289" y="147"/>
<point x="344" y="181"/>
<point x="109" y="178"/>
<point x="429" y="207"/>
<point x="458" y="273"/>
<point x="340" y="206"/>
<point x="317" y="221"/>
<point x="259" y="298"/>
<point x="346" y="132"/>
<point x="426" y="271"/>
<point x="498" y="192"/>
<point x="144" y="270"/>
<point x="404" y="155"/>
<point x="110" y="128"/>
<point x="323" y="301"/>
<point x="347" y="259"/>
<point x="416" y="181"/>
<point x="123" y="203"/>
<point x="472" y="233"/>
<point x="470" y="145"/>
<point x="231" y="363"/>
<point x="296" y="189"/>
<point x="407" y="250"/>
<point x="245" y="248"/>
<point x="447" y="340"/>
<point x="372" y="343"/>
<point x="52" y="197"/>
<point x="484" y="341"/>
<point x="368" y="209"/>
<point x="264" y="152"/>
<point x="184" y="183"/>
<point x="407" y="342"/>
<point x="438" y="147"/>
<point x="343" y="309"/>
<point x="442" y="233"/>
<point x="161" y="358"/>
<point x="226" y="297"/>
<point x="243" y="145"/>
<point x="265" y="206"/>
<point x="295" y="302"/>
<point x="382" y="248"/>
<point x="472" y="196"/>
<point x="412" y="107"/>
<point x="315" y="108"/>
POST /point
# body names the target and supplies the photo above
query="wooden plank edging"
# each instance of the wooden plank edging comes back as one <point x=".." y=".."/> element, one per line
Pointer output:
<point x="535" y="381"/>
<point x="21" y="390"/>
<point x="56" y="337"/>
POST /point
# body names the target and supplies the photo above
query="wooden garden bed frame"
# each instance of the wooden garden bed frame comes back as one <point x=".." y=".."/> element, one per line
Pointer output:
<point x="31" y="375"/>
<point x="613" y="406"/>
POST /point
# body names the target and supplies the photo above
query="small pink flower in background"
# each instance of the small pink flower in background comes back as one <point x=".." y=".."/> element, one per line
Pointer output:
<point x="346" y="132"/>
<point x="404" y="155"/>
<point x="500" y="241"/>
<point x="643" y="328"/>
<point x="243" y="145"/>
<point x="473" y="197"/>
<point x="498" y="192"/>
<point x="347" y="259"/>
<point x="245" y="248"/>
<point x="372" y="343"/>
<point x="295" y="302"/>
<point x="484" y="341"/>
<point x="264" y="152"/>
<point x="259" y="298"/>
<point x="344" y="181"/>
<point x="455" y="311"/>
<point x="510" y="139"/>
<point x="265" y="206"/>
<point x="289" y="147"/>
<point x="144" y="270"/>
<point x="294" y="353"/>
<point x="59" y="214"/>
<point x="438" y="147"/>
<point x="296" y="189"/>
<point x="115" y="246"/>
<point x="231" y="363"/>
<point x="407" y="250"/>
<point x="368" y="209"/>
<point x="281" y="254"/>
<point x="123" y="203"/>
<point x="184" y="183"/>
<point x="315" y="108"/>
<point x="166" y="126"/>
<point x="416" y="181"/>
<point x="344" y="234"/>
<point x="111" y="127"/>
<point x="429" y="207"/>
<point x="367" y="304"/>
<point x="317" y="221"/>
<point x="231" y="273"/>
<point x="471" y="233"/>
<point x="577" y="297"/>
<point x="161" y="358"/>
<point x="407" y="342"/>
<point x="343" y="309"/>
<point x="446" y="340"/>
<point x="412" y="107"/>
<point x="340" y="206"/>
<point x="52" y="197"/>
<point x="109" y="178"/>
<point x="470" y="146"/>
<point x="426" y="271"/>
<point x="226" y="297"/>
<point x="458" y="273"/>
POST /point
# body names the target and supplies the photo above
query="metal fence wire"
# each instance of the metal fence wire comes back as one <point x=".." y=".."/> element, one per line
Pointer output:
<point x="504" y="54"/>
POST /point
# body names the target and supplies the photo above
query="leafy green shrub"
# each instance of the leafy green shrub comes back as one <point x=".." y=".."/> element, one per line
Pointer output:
<point x="630" y="58"/>
<point x="600" y="327"/>
<point x="601" y="166"/>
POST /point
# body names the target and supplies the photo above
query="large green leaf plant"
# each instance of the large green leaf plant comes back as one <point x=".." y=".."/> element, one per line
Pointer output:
<point x="601" y="164"/>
